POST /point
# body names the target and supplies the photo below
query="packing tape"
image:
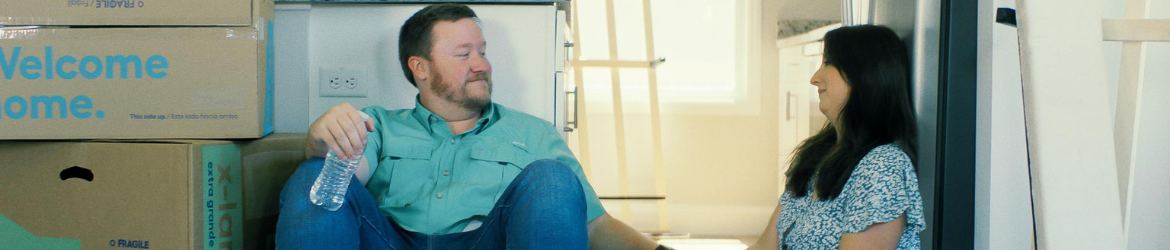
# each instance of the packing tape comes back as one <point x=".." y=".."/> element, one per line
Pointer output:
<point x="255" y="32"/>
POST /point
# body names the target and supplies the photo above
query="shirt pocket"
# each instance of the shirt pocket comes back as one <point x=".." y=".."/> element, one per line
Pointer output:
<point x="491" y="167"/>
<point x="411" y="173"/>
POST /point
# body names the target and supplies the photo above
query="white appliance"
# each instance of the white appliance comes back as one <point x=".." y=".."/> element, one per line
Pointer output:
<point x="525" y="47"/>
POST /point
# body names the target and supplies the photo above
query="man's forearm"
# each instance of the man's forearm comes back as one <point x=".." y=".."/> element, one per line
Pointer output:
<point x="605" y="232"/>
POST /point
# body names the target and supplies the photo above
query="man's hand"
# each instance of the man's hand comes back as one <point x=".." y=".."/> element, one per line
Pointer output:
<point x="338" y="129"/>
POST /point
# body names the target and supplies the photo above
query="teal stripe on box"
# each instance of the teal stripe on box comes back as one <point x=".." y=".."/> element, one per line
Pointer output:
<point x="223" y="220"/>
<point x="269" y="72"/>
<point x="13" y="236"/>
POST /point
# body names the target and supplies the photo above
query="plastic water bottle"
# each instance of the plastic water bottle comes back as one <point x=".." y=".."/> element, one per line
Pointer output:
<point x="329" y="189"/>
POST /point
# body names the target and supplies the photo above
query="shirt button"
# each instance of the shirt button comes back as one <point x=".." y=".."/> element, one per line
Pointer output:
<point x="452" y="141"/>
<point x="446" y="172"/>
<point x="434" y="120"/>
<point x="440" y="196"/>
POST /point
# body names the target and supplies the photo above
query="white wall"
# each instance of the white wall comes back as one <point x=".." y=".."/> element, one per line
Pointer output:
<point x="291" y="91"/>
<point x="1147" y="222"/>
<point x="1003" y="213"/>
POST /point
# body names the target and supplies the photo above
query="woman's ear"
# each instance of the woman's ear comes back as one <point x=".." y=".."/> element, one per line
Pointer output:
<point x="420" y="67"/>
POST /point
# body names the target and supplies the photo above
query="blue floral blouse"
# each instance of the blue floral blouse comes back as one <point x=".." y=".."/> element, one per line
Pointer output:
<point x="882" y="187"/>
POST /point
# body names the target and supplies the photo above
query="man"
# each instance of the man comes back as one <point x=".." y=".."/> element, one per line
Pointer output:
<point x="455" y="172"/>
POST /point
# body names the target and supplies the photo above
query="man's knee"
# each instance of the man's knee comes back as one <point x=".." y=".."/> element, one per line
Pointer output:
<point x="551" y="174"/>
<point x="298" y="184"/>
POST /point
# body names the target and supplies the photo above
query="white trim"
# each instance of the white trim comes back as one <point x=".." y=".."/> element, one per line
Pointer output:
<point x="285" y="6"/>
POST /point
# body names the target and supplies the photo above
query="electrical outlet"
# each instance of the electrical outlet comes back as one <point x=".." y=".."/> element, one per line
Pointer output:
<point x="342" y="81"/>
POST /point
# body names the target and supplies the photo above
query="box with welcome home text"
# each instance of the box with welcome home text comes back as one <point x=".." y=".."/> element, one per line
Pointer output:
<point x="135" y="83"/>
<point x="135" y="12"/>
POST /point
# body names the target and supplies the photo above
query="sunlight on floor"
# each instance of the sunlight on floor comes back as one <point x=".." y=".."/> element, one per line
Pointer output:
<point x="704" y="244"/>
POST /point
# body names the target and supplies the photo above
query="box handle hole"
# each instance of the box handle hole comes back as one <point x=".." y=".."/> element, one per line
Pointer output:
<point x="77" y="172"/>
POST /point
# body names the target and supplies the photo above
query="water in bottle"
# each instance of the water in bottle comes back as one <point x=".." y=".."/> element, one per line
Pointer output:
<point x="329" y="189"/>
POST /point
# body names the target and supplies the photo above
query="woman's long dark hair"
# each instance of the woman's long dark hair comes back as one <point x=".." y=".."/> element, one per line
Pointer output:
<point x="875" y="65"/>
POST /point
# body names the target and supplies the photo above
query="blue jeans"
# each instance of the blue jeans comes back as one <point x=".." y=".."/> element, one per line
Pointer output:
<point x="543" y="208"/>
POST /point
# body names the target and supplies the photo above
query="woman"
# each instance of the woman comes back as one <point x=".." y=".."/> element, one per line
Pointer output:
<point x="853" y="185"/>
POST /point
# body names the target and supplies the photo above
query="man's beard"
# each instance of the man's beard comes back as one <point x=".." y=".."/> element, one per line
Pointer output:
<point x="459" y="95"/>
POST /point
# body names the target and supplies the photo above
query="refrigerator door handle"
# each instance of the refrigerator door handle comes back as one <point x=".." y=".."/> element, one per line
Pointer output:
<point x="573" y="123"/>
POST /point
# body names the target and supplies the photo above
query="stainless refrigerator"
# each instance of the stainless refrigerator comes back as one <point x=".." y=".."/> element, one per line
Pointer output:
<point x="941" y="36"/>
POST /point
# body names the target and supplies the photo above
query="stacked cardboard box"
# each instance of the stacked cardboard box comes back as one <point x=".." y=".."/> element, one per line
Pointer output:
<point x="154" y="71"/>
<point x="121" y="124"/>
<point x="267" y="165"/>
<point x="156" y="13"/>
<point x="144" y="194"/>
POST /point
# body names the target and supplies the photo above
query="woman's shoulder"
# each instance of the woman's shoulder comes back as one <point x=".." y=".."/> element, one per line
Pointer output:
<point x="888" y="159"/>
<point x="888" y="154"/>
<point x="883" y="186"/>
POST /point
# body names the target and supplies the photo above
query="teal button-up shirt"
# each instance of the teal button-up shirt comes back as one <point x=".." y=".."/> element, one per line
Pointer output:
<point x="432" y="181"/>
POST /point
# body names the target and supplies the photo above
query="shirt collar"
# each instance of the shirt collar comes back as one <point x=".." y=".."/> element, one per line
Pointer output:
<point x="431" y="121"/>
<point x="490" y="116"/>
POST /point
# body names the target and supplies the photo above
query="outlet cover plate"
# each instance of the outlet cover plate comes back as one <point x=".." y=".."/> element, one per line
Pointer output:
<point x="342" y="81"/>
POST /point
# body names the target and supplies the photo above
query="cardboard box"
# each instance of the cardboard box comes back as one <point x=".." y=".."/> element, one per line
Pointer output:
<point x="267" y="165"/>
<point x="171" y="194"/>
<point x="118" y="195"/>
<point x="135" y="83"/>
<point x="135" y="12"/>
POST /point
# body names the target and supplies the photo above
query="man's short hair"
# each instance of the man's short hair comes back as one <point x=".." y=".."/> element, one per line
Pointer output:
<point x="415" y="37"/>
